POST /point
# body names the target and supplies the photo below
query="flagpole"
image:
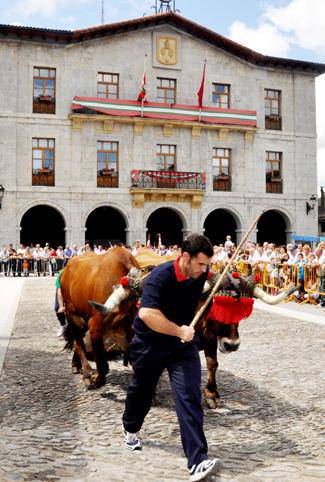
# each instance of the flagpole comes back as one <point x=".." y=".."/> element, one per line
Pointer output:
<point x="144" y="73"/>
<point x="201" y="90"/>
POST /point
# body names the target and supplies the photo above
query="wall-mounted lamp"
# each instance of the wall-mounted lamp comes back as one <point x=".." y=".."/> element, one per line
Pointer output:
<point x="2" y="191"/>
<point x="311" y="203"/>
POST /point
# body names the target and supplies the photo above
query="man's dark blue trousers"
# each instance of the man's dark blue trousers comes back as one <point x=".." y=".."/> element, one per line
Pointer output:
<point x="149" y="359"/>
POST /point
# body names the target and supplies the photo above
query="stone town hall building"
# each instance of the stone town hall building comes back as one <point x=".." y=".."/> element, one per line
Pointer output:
<point x="82" y="159"/>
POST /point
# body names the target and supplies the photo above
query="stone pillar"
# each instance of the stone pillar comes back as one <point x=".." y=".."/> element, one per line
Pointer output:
<point x="289" y="234"/>
<point x="83" y="235"/>
<point x="129" y="236"/>
<point x="186" y="233"/>
<point x="17" y="240"/>
<point x="68" y="234"/>
<point x="239" y="235"/>
<point x="253" y="235"/>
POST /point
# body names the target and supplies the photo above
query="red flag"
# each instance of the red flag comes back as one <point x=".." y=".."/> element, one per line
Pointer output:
<point x="142" y="97"/>
<point x="201" y="89"/>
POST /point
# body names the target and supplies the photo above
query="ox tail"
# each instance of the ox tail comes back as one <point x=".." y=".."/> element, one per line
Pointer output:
<point x="272" y="300"/>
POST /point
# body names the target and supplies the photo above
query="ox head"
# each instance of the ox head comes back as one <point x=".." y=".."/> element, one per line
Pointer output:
<point x="119" y="294"/>
<point x="227" y="311"/>
<point x="228" y="337"/>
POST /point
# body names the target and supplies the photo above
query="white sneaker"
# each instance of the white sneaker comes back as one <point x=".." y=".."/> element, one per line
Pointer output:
<point x="61" y="330"/>
<point x="200" y="471"/>
<point x="132" y="441"/>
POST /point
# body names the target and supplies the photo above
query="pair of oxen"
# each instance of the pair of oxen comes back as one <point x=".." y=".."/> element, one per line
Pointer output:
<point x="101" y="297"/>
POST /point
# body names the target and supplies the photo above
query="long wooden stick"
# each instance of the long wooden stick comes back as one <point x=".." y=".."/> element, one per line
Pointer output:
<point x="218" y="283"/>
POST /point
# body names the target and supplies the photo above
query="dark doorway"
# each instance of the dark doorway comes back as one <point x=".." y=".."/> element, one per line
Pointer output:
<point x="272" y="228"/>
<point x="42" y="224"/>
<point x="168" y="223"/>
<point x="219" y="224"/>
<point x="105" y="226"/>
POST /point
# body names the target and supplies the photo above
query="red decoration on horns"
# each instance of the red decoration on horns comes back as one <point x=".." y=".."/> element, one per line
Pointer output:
<point x="124" y="282"/>
<point x="226" y="309"/>
<point x="257" y="278"/>
<point x="234" y="274"/>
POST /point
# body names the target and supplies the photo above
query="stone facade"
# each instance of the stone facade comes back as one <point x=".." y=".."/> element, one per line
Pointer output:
<point x="75" y="194"/>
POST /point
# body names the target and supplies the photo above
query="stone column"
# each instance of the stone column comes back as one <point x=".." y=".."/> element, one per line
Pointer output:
<point x="289" y="234"/>
<point x="17" y="240"/>
<point x="239" y="235"/>
<point x="186" y="233"/>
<point x="68" y="235"/>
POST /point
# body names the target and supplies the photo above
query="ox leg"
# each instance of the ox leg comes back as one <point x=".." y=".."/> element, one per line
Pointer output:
<point x="100" y="356"/>
<point x="75" y="364"/>
<point x="211" y="394"/>
<point x="80" y="352"/>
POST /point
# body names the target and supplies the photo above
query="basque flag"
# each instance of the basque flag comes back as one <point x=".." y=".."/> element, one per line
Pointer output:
<point x="201" y="89"/>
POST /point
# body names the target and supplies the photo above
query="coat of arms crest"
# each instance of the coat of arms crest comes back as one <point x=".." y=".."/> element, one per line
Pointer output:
<point x="167" y="50"/>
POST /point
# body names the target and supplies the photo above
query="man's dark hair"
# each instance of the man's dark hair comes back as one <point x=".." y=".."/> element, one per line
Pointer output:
<point x="197" y="243"/>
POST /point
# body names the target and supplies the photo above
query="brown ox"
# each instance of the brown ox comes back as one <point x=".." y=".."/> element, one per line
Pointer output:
<point x="92" y="278"/>
<point x="216" y="334"/>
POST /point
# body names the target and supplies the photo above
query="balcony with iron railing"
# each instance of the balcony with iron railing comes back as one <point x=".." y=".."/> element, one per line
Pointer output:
<point x="273" y="122"/>
<point x="43" y="177"/>
<point x="221" y="183"/>
<point x="107" y="178"/>
<point x="274" y="186"/>
<point x="167" y="185"/>
<point x="44" y="104"/>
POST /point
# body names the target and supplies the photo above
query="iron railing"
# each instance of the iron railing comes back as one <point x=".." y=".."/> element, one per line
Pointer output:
<point x="167" y="180"/>
<point x="274" y="187"/>
<point x="221" y="184"/>
<point x="44" y="105"/>
<point x="43" y="177"/>
<point x="107" y="178"/>
<point x="273" y="122"/>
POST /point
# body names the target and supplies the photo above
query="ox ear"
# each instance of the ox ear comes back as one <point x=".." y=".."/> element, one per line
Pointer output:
<point x="99" y="307"/>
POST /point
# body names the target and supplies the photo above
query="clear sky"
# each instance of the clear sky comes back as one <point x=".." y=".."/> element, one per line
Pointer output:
<point x="282" y="28"/>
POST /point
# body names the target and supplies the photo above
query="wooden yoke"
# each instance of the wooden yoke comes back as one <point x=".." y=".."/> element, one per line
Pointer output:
<point x="218" y="283"/>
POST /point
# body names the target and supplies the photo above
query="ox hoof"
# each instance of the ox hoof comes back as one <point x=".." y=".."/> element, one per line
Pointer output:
<point x="213" y="402"/>
<point x="94" y="382"/>
<point x="75" y="370"/>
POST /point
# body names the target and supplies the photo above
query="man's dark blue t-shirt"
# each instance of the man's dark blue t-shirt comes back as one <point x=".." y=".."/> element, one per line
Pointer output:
<point x="171" y="293"/>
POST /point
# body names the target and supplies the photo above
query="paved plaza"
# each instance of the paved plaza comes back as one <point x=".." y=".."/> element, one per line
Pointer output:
<point x="269" y="428"/>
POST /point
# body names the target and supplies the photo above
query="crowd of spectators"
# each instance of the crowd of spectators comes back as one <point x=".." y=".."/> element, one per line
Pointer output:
<point x="277" y="261"/>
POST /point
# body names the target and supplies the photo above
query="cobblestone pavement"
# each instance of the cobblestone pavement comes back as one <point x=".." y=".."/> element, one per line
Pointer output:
<point x="269" y="428"/>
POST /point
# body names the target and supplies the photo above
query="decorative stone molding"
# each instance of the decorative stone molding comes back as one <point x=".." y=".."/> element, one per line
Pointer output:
<point x="249" y="136"/>
<point x="138" y="128"/>
<point x="168" y="130"/>
<point x="223" y="134"/>
<point x="108" y="126"/>
<point x="140" y="196"/>
<point x="76" y="124"/>
<point x="196" y="132"/>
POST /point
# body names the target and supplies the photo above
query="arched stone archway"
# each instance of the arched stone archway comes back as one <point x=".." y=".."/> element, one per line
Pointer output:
<point x="273" y="227"/>
<point x="42" y="224"/>
<point x="168" y="223"/>
<point x="105" y="225"/>
<point x="219" y="224"/>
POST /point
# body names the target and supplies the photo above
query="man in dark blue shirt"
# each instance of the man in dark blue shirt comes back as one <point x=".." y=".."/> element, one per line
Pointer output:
<point x="164" y="339"/>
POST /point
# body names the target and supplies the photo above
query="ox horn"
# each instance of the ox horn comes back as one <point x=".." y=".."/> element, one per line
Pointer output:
<point x="118" y="295"/>
<point x="99" y="307"/>
<point x="272" y="300"/>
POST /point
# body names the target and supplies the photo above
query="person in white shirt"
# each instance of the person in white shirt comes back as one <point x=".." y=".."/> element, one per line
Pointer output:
<point x="38" y="256"/>
<point x="228" y="243"/>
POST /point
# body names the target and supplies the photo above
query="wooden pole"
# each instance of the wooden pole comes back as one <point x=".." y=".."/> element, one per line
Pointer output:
<point x="218" y="283"/>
